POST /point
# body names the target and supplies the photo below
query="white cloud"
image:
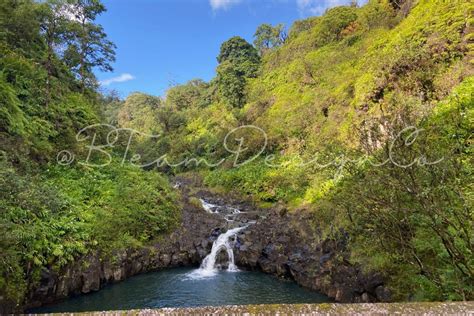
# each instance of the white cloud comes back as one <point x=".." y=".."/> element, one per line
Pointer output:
<point x="318" y="7"/>
<point x="305" y="7"/>
<point x="121" y="78"/>
<point x="222" y="4"/>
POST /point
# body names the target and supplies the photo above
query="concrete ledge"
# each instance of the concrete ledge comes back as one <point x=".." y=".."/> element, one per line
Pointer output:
<point x="428" y="308"/>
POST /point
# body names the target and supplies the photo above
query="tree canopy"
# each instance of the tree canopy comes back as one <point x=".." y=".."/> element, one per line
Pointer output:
<point x="268" y="37"/>
<point x="238" y="61"/>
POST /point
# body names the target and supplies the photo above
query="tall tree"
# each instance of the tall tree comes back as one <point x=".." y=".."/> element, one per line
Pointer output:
<point x="237" y="49"/>
<point x="238" y="61"/>
<point x="88" y="47"/>
<point x="268" y="37"/>
<point x="53" y="25"/>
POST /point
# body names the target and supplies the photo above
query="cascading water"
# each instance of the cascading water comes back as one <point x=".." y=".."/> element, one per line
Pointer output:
<point x="208" y="266"/>
<point x="222" y="242"/>
<point x="227" y="212"/>
<point x="209" y="207"/>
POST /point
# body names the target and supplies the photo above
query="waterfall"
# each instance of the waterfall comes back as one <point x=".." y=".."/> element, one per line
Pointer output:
<point x="208" y="265"/>
<point x="222" y="242"/>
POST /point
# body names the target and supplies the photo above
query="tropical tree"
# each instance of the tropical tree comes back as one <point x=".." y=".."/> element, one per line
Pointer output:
<point x="237" y="49"/>
<point x="238" y="61"/>
<point x="186" y="95"/>
<point x="88" y="47"/>
<point x="268" y="37"/>
<point x="54" y="24"/>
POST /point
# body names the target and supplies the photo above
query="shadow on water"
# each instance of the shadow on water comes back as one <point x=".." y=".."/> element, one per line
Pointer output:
<point x="179" y="288"/>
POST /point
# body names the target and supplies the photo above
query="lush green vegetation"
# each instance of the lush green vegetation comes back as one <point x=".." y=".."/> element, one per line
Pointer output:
<point x="50" y="214"/>
<point x="415" y="221"/>
<point x="334" y="97"/>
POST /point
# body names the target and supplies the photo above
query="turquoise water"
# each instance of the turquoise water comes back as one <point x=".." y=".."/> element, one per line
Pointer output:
<point x="181" y="288"/>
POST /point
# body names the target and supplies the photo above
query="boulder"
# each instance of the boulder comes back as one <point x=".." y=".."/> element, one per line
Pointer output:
<point x="382" y="294"/>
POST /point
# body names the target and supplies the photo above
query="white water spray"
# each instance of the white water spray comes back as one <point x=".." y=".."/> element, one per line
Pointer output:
<point x="223" y="242"/>
<point x="209" y="207"/>
<point x="227" y="212"/>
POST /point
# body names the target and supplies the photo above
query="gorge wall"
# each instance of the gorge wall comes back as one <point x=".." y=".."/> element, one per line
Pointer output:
<point x="279" y="243"/>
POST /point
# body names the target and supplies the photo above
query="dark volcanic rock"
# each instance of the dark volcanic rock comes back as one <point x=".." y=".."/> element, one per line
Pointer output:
<point x="286" y="244"/>
<point x="186" y="246"/>
<point x="276" y="241"/>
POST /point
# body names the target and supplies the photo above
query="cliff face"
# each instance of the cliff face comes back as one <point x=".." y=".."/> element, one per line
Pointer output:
<point x="284" y="244"/>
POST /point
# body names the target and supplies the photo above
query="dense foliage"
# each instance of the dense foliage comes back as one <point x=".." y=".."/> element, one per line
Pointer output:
<point x="362" y="116"/>
<point x="268" y="37"/>
<point x="50" y="214"/>
<point x="238" y="61"/>
<point x="335" y="100"/>
<point x="415" y="216"/>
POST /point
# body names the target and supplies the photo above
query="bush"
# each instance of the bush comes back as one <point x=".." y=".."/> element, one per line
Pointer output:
<point x="62" y="213"/>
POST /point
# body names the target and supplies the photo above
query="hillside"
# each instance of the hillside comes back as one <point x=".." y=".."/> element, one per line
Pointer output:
<point x="361" y="118"/>
<point x="53" y="213"/>
<point x="348" y="119"/>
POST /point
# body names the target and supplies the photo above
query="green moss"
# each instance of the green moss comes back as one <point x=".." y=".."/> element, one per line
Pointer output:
<point x="195" y="202"/>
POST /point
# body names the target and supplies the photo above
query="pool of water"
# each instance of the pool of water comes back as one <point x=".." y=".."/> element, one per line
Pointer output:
<point x="183" y="287"/>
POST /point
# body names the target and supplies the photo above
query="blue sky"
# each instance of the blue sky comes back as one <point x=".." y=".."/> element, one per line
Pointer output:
<point x="165" y="42"/>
